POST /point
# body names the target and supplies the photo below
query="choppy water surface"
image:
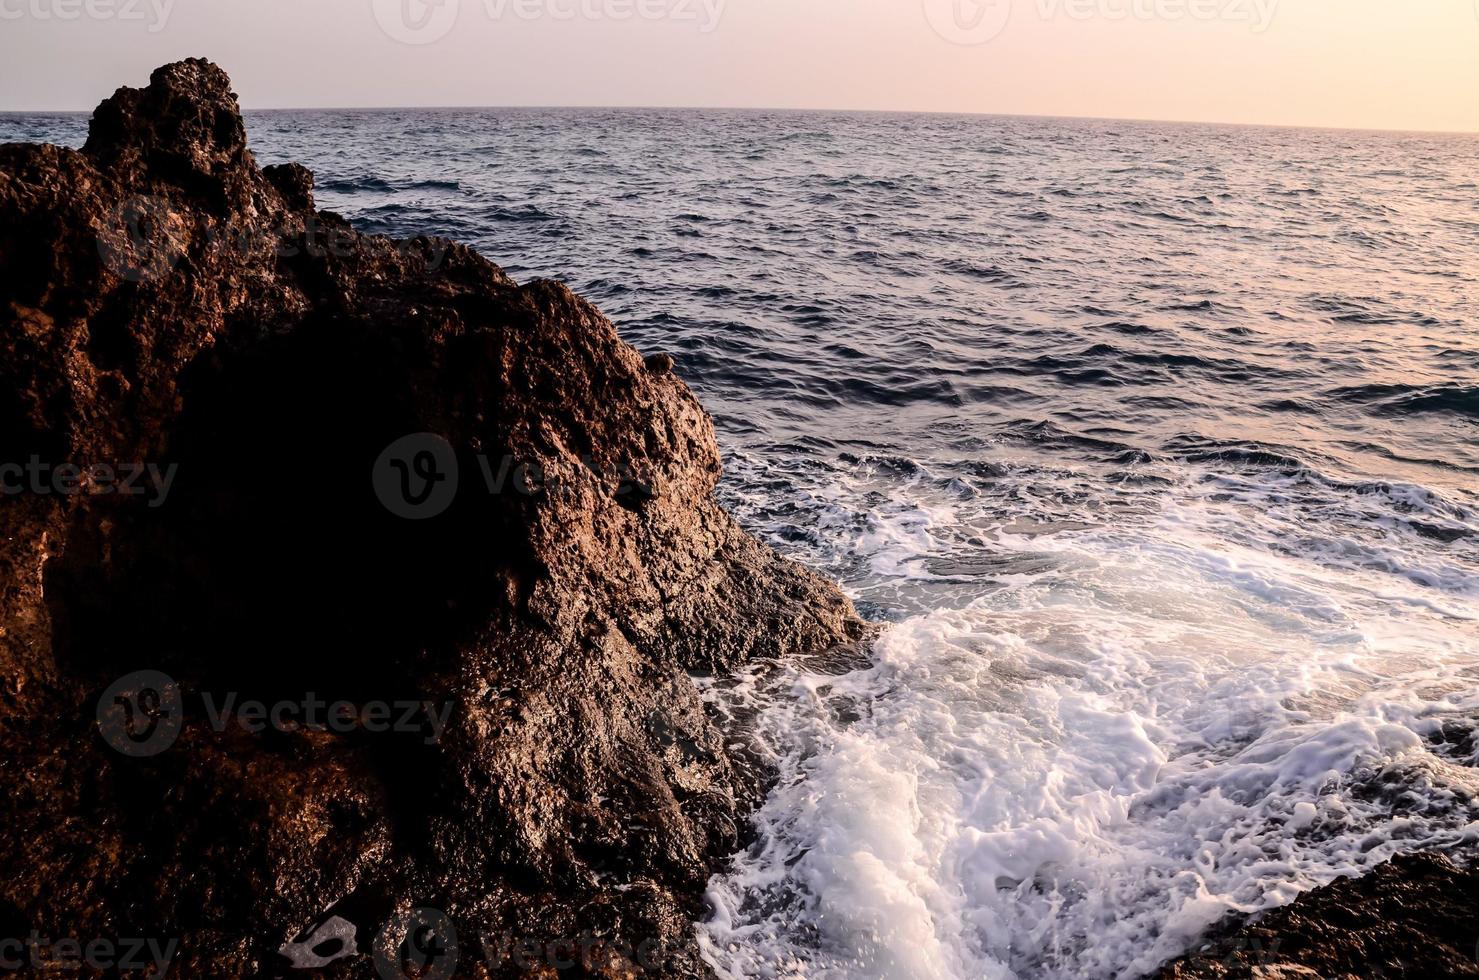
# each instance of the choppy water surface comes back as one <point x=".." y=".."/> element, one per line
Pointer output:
<point x="1158" y="445"/>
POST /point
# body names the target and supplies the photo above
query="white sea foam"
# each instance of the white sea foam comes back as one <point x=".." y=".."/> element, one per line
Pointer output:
<point x="1201" y="700"/>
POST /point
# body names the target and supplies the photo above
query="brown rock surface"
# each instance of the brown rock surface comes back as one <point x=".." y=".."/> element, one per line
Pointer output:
<point x="1415" y="917"/>
<point x="163" y="300"/>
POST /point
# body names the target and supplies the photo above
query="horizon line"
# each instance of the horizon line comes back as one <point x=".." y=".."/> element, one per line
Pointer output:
<point x="809" y="109"/>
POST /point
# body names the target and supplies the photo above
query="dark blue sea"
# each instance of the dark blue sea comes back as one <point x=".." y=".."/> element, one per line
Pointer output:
<point x="1157" y="445"/>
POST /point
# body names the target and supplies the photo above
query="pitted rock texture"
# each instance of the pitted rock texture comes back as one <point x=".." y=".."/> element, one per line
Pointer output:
<point x="1414" y="918"/>
<point x="164" y="300"/>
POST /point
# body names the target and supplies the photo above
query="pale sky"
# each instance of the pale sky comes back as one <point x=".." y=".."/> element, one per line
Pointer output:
<point x="1397" y="64"/>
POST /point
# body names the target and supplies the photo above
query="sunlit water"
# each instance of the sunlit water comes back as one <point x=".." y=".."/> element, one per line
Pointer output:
<point x="1158" y="446"/>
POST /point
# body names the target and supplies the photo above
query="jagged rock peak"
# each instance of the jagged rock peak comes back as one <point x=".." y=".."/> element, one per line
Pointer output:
<point x="184" y="129"/>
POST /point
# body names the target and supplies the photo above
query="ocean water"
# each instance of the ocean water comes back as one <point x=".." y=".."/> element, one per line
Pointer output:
<point x="1156" y="446"/>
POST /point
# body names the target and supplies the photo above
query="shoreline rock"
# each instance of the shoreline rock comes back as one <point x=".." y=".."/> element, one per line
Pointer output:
<point x="167" y="302"/>
<point x="1413" y="917"/>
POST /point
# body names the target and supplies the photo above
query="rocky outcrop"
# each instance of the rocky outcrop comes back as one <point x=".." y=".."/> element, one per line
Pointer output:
<point x="1414" y="917"/>
<point x="260" y="457"/>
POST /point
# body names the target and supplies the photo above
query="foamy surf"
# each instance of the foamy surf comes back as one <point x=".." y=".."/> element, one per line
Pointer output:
<point x="1198" y="698"/>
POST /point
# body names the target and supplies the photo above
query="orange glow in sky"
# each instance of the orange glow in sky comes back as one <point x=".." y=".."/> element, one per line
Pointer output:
<point x="1412" y="64"/>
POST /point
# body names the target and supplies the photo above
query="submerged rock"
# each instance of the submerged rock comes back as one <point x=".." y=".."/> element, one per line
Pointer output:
<point x="265" y="458"/>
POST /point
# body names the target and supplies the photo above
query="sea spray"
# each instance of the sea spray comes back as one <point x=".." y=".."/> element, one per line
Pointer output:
<point x="1158" y="722"/>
